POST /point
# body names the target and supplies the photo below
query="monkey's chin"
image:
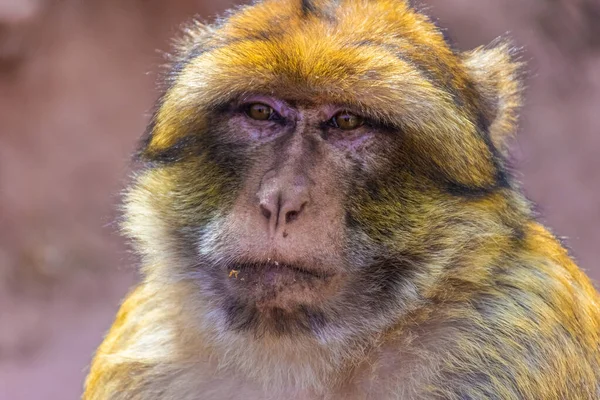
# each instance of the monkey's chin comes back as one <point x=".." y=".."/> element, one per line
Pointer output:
<point x="273" y="284"/>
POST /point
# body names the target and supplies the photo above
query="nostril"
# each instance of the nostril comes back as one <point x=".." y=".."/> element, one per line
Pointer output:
<point x="265" y="212"/>
<point x="291" y="216"/>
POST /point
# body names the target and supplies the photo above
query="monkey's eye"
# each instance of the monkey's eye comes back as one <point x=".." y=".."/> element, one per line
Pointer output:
<point x="261" y="112"/>
<point x="346" y="121"/>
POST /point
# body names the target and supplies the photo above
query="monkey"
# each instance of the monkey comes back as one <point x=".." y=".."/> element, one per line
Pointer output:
<point x="325" y="209"/>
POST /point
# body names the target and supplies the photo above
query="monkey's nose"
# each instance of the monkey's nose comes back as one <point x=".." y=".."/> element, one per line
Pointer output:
<point x="282" y="201"/>
<point x="282" y="211"/>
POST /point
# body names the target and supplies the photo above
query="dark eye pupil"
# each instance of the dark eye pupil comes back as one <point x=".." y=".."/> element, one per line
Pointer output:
<point x="260" y="111"/>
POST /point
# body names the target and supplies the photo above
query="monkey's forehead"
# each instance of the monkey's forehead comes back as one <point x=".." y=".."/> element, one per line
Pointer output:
<point x="380" y="57"/>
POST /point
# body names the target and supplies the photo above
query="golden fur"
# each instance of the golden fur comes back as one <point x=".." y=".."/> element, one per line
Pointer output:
<point x="493" y="307"/>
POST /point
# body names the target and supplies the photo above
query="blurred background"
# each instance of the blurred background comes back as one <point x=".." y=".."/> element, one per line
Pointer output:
<point x="77" y="78"/>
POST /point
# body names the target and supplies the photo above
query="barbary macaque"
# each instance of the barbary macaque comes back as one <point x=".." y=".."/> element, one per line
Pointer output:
<point x="324" y="211"/>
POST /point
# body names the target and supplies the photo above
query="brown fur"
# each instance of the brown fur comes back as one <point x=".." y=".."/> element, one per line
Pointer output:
<point x="428" y="277"/>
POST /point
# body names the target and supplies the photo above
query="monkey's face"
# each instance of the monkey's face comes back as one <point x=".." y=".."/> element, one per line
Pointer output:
<point x="305" y="165"/>
<point x="284" y="246"/>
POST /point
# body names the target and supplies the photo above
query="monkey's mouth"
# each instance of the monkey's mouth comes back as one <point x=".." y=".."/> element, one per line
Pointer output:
<point x="268" y="284"/>
<point x="272" y="269"/>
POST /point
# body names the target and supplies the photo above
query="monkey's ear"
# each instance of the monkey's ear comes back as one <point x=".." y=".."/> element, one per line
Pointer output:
<point x="496" y="73"/>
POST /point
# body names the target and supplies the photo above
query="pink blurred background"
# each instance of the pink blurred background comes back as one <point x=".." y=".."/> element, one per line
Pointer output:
<point x="77" y="79"/>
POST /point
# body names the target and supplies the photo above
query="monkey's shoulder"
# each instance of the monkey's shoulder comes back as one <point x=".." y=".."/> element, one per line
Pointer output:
<point x="134" y="359"/>
<point x="530" y="329"/>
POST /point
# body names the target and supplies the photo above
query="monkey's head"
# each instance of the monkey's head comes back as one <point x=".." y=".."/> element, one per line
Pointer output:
<point x="314" y="167"/>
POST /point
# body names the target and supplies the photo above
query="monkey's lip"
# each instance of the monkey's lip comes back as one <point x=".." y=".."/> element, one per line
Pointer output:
<point x="273" y="267"/>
